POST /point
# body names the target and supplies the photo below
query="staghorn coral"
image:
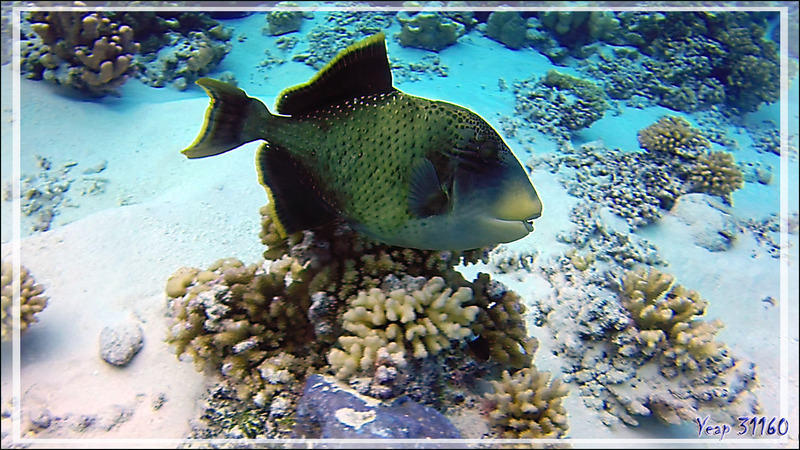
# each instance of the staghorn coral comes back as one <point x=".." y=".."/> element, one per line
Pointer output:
<point x="428" y="30"/>
<point x="420" y="322"/>
<point x="527" y="406"/>
<point x="673" y="135"/>
<point x="31" y="300"/>
<point x="715" y="173"/>
<point x="87" y="51"/>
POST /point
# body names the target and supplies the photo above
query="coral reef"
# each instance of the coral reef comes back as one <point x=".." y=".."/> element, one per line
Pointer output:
<point x="633" y="342"/>
<point x="715" y="173"/>
<point x="385" y="318"/>
<point x="690" y="61"/>
<point x="87" y="51"/>
<point x="31" y="300"/>
<point x="527" y="407"/>
<point x="428" y="30"/>
<point x="340" y="29"/>
<point x="557" y="104"/>
<point x="576" y="28"/>
<point x="187" y="58"/>
<point x="508" y="28"/>
<point x="673" y="136"/>
<point x="281" y="21"/>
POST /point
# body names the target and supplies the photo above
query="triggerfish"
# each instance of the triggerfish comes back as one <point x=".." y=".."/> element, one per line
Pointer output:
<point x="403" y="170"/>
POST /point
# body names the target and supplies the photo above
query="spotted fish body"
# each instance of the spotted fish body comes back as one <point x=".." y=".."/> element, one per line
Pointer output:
<point x="405" y="170"/>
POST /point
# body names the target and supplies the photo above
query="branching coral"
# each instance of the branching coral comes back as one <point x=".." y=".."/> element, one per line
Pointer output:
<point x="233" y="318"/>
<point x="666" y="317"/>
<point x="421" y="322"/>
<point x="394" y="316"/>
<point x="527" y="406"/>
<point x="87" y="51"/>
<point x="673" y="135"/>
<point x="31" y="300"/>
<point x="640" y="349"/>
<point x="715" y="173"/>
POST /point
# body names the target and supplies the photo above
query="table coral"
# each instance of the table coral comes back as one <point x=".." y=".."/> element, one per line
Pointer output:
<point x="31" y="300"/>
<point x="87" y="51"/>
<point x="428" y="30"/>
<point x="528" y="406"/>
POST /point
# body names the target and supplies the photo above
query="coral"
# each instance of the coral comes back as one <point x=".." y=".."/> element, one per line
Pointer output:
<point x="665" y="315"/>
<point x="637" y="347"/>
<point x="338" y="30"/>
<point x="637" y="187"/>
<point x="507" y="27"/>
<point x="387" y="318"/>
<point x="237" y="319"/>
<point x="576" y="28"/>
<point x="283" y="21"/>
<point x="86" y="51"/>
<point x="673" y="135"/>
<point x="527" y="406"/>
<point x="557" y="104"/>
<point x="715" y="173"/>
<point x="421" y="323"/>
<point x="187" y="58"/>
<point x="501" y="323"/>
<point x="428" y="30"/>
<point x="31" y="300"/>
<point x="707" y="57"/>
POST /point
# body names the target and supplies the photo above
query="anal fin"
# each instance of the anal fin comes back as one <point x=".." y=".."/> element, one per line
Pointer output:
<point x="296" y="197"/>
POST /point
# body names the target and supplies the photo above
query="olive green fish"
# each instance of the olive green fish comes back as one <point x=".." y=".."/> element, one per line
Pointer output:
<point x="404" y="170"/>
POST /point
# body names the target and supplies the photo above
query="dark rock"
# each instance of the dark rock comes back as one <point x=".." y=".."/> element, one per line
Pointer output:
<point x="330" y="410"/>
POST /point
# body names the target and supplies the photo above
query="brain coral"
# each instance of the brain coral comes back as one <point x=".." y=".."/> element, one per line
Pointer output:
<point x="87" y="51"/>
<point x="673" y="135"/>
<point x="526" y="407"/>
<point x="715" y="173"/>
<point x="31" y="300"/>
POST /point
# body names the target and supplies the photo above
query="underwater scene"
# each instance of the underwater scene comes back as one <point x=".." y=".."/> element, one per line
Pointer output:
<point x="399" y="224"/>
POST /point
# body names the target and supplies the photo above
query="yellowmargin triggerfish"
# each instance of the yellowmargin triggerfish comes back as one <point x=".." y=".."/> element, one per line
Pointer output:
<point x="402" y="169"/>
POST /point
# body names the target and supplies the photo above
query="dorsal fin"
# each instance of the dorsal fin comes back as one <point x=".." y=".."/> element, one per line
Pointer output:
<point x="359" y="70"/>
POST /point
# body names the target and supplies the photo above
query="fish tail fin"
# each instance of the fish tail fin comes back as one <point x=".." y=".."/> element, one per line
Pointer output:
<point x="232" y="119"/>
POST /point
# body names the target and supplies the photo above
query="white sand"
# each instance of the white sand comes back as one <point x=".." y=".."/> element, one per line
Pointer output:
<point x="102" y="263"/>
